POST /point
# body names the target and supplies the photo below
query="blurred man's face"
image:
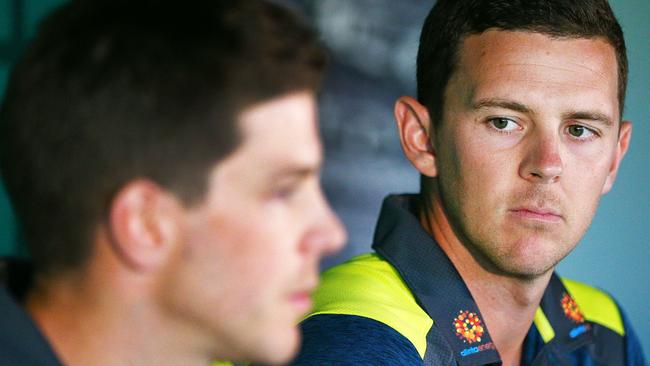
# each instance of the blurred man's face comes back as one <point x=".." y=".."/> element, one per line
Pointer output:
<point x="253" y="245"/>
<point x="528" y="144"/>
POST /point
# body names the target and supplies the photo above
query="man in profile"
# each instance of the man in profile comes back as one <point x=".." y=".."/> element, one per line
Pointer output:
<point x="517" y="133"/>
<point x="162" y="158"/>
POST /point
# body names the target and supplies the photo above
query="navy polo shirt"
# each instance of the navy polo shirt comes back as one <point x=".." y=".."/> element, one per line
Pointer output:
<point x="356" y="321"/>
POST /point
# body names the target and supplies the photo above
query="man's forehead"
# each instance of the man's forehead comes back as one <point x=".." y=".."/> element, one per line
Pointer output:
<point x="294" y="109"/>
<point x="538" y="45"/>
<point x="282" y="131"/>
<point x="505" y="62"/>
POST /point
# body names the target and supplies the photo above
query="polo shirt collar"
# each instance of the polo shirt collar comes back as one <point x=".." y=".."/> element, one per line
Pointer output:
<point x="20" y="341"/>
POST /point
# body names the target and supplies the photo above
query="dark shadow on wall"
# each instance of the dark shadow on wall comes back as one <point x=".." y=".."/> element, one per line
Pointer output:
<point x="373" y="44"/>
<point x="11" y="46"/>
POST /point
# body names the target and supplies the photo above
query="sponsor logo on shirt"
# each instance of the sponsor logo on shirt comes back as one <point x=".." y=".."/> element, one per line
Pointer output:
<point x="571" y="309"/>
<point x="469" y="327"/>
<point x="472" y="350"/>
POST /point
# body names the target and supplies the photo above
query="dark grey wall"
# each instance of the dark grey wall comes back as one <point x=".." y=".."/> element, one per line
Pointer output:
<point x="373" y="44"/>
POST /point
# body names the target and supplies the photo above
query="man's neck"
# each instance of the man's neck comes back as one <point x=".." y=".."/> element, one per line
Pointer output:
<point x="507" y="303"/>
<point x="90" y="327"/>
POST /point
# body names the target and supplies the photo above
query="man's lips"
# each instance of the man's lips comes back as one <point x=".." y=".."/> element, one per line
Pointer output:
<point x="539" y="214"/>
<point x="301" y="296"/>
<point x="302" y="301"/>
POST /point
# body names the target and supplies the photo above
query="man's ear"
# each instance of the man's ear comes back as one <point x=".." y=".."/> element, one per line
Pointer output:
<point x="414" y="129"/>
<point x="144" y="224"/>
<point x="624" y="136"/>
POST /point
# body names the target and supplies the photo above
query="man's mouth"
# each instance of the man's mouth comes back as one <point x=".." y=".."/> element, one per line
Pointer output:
<point x="548" y="215"/>
<point x="300" y="298"/>
<point x="302" y="301"/>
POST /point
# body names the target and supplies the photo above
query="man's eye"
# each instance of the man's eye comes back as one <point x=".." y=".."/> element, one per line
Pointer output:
<point x="504" y="124"/>
<point x="284" y="192"/>
<point x="579" y="131"/>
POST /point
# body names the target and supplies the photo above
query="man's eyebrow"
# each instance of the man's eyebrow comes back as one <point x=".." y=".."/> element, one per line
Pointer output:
<point x="590" y="116"/>
<point x="518" y="107"/>
<point x="297" y="171"/>
<point x="501" y="103"/>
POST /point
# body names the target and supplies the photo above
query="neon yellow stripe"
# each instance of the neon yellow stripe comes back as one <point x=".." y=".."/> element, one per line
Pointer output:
<point x="222" y="363"/>
<point x="597" y="306"/>
<point x="543" y="326"/>
<point x="368" y="286"/>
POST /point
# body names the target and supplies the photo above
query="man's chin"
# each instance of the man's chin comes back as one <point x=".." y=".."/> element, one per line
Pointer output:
<point x="530" y="258"/>
<point x="280" y="347"/>
<point x="527" y="269"/>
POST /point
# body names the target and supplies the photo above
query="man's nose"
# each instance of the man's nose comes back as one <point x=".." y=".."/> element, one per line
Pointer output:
<point x="542" y="161"/>
<point x="337" y="235"/>
<point x="328" y="234"/>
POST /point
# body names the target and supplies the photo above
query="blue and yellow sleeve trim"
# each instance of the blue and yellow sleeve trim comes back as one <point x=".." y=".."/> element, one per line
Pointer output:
<point x="368" y="286"/>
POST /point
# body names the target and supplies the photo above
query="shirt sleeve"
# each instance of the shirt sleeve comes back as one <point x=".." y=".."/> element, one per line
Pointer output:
<point x="632" y="345"/>
<point x="333" y="339"/>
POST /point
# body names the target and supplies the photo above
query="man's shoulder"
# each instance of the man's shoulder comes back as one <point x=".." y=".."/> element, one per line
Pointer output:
<point x="340" y="339"/>
<point x="597" y="306"/>
<point x="366" y="292"/>
<point x="21" y="341"/>
<point x="364" y="280"/>
<point x="601" y="309"/>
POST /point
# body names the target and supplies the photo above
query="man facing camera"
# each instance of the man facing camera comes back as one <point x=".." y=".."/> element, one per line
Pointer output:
<point x="517" y="133"/>
<point x="163" y="161"/>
